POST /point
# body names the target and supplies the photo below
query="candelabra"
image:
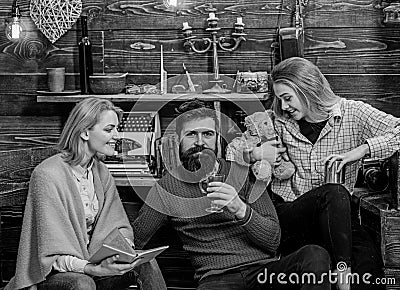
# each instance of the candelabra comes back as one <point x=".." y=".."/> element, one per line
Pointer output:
<point x="215" y="42"/>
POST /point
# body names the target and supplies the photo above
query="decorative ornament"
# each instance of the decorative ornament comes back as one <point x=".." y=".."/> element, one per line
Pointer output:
<point x="55" y="17"/>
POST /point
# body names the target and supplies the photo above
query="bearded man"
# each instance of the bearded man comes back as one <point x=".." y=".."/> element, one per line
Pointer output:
<point x="235" y="249"/>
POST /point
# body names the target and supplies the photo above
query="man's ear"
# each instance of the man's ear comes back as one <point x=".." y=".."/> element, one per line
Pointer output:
<point x="85" y="135"/>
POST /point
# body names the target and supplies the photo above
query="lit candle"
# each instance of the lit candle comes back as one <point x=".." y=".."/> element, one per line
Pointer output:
<point x="185" y="25"/>
<point x="239" y="20"/>
<point x="211" y="15"/>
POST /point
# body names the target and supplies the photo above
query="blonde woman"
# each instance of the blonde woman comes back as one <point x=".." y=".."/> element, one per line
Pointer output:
<point x="317" y="126"/>
<point x="71" y="206"/>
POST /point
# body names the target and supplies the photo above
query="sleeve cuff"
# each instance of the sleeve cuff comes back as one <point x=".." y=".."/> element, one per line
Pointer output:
<point x="67" y="263"/>
<point x="378" y="146"/>
<point x="79" y="265"/>
<point x="246" y="217"/>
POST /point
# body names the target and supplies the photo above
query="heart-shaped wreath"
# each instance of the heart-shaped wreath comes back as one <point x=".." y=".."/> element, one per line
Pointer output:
<point x="55" y="17"/>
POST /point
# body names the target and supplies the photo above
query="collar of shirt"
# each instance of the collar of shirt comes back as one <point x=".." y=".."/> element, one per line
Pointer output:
<point x="336" y="113"/>
<point x="80" y="172"/>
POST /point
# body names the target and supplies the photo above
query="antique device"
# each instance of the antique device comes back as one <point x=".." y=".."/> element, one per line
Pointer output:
<point x="381" y="176"/>
<point x="375" y="173"/>
<point x="290" y="40"/>
<point x="135" y="149"/>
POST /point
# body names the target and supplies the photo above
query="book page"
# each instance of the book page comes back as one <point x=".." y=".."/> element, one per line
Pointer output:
<point x="147" y="255"/>
<point x="116" y="240"/>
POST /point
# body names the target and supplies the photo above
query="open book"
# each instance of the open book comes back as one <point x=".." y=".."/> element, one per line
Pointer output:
<point x="116" y="244"/>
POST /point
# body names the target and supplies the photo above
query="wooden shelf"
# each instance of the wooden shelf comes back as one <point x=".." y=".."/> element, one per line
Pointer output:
<point x="134" y="181"/>
<point x="155" y="98"/>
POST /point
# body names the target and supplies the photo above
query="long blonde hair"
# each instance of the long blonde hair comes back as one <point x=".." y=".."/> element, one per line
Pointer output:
<point x="309" y="84"/>
<point x="83" y="117"/>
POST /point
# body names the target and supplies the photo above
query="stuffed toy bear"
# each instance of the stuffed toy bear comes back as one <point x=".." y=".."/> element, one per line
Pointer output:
<point x="260" y="128"/>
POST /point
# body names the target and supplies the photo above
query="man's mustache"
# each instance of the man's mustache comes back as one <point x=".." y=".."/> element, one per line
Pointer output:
<point x="192" y="151"/>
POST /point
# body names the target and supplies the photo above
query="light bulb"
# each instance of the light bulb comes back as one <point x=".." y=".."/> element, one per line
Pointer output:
<point x="14" y="29"/>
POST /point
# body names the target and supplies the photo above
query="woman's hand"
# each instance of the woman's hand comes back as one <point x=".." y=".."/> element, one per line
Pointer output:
<point x="226" y="195"/>
<point x="270" y="150"/>
<point x="348" y="157"/>
<point x="109" y="267"/>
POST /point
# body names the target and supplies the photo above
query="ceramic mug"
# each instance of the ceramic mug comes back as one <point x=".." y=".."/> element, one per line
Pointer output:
<point x="56" y="79"/>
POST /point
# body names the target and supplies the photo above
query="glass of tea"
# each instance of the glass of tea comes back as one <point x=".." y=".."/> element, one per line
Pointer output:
<point x="203" y="184"/>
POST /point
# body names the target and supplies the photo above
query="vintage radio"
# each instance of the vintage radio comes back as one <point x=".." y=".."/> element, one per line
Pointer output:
<point x="135" y="152"/>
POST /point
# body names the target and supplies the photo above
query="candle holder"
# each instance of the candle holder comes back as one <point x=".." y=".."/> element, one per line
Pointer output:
<point x="215" y="42"/>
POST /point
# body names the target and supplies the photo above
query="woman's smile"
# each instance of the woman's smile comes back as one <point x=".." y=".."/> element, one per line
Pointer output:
<point x="290" y="103"/>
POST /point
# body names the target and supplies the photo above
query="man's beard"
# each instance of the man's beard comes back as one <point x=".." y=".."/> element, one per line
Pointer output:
<point x="199" y="159"/>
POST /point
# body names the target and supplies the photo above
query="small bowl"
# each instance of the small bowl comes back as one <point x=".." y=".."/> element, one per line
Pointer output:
<point x="107" y="84"/>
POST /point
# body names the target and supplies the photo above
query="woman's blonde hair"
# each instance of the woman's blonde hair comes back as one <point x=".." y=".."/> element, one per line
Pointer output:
<point x="83" y="117"/>
<point x="309" y="84"/>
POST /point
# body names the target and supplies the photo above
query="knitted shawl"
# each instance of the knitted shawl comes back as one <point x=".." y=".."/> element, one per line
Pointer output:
<point x="54" y="220"/>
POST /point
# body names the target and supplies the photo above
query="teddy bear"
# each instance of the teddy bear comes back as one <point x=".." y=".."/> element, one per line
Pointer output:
<point x="259" y="129"/>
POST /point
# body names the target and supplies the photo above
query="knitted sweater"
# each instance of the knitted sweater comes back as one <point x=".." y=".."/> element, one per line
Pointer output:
<point x="54" y="219"/>
<point x="216" y="242"/>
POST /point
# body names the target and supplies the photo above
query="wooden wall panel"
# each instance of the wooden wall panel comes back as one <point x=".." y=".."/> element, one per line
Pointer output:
<point x="320" y="13"/>
<point x="337" y="13"/>
<point x="15" y="172"/>
<point x="145" y="14"/>
<point x="15" y="105"/>
<point x="356" y="51"/>
<point x="23" y="132"/>
<point x="346" y="39"/>
<point x="352" y="50"/>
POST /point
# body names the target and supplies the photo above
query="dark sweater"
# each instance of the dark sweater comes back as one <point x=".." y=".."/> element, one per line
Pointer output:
<point x="216" y="242"/>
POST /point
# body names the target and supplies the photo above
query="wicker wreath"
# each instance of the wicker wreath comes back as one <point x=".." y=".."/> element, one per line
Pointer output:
<point x="55" y="17"/>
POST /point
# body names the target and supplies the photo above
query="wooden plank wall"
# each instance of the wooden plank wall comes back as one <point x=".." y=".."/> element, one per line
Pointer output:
<point x="15" y="171"/>
<point x="346" y="39"/>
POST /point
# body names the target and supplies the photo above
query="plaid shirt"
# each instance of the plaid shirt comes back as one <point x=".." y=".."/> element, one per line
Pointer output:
<point x="352" y="124"/>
